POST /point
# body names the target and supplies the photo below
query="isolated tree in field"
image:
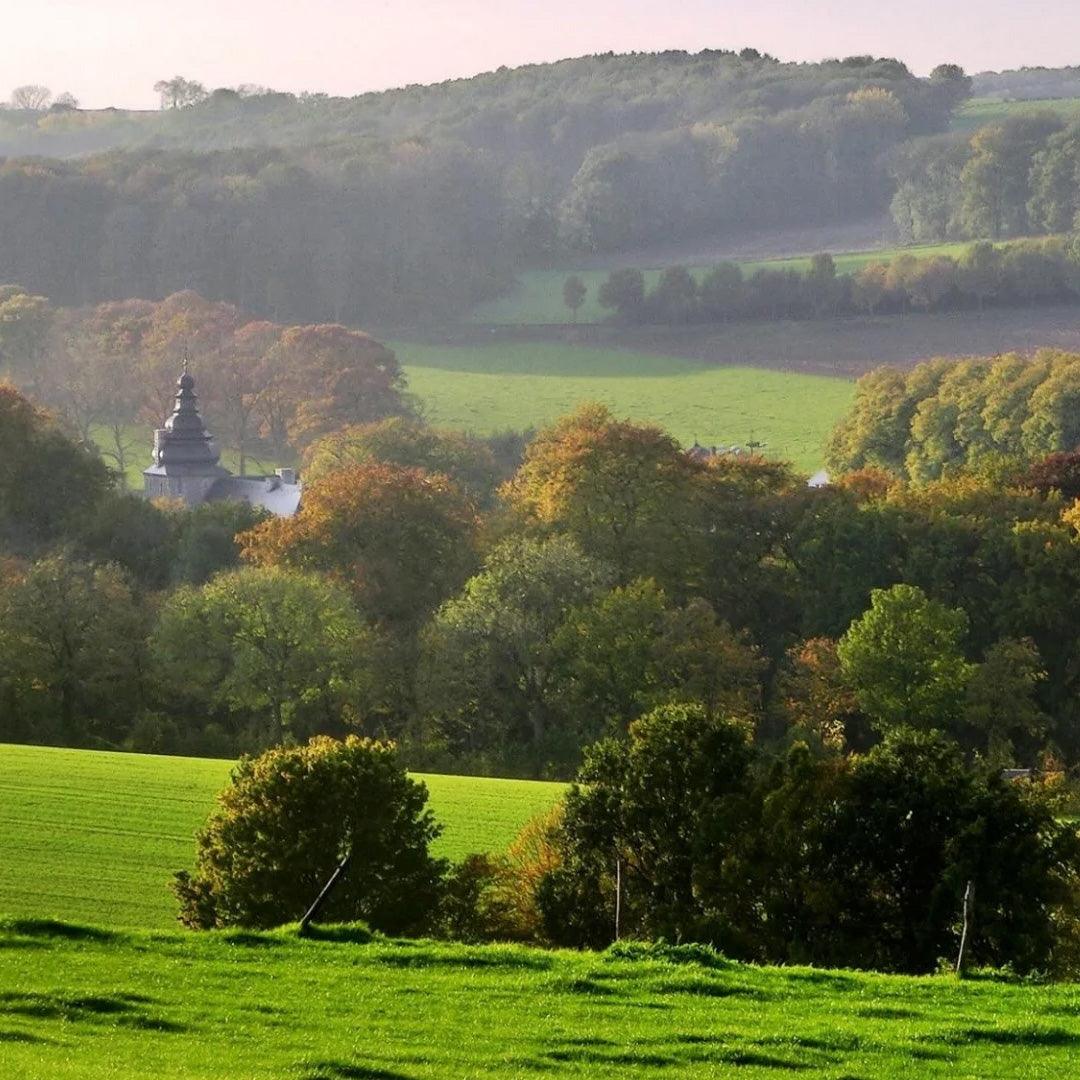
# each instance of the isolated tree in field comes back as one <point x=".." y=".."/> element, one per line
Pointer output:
<point x="996" y="178"/>
<point x="401" y="539"/>
<point x="285" y="648"/>
<point x="290" y="816"/>
<point x="31" y="97"/>
<point x="574" y="292"/>
<point x="624" y="293"/>
<point x="904" y="660"/>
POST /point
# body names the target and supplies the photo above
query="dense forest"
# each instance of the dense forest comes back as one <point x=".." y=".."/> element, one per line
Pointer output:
<point x="1028" y="83"/>
<point x="416" y="203"/>
<point x="1010" y="178"/>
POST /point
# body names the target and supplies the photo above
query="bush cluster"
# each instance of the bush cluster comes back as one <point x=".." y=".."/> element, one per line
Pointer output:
<point x="1016" y="274"/>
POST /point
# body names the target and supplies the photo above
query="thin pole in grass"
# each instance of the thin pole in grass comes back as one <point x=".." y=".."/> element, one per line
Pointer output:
<point x="969" y="909"/>
<point x="618" y="895"/>
<point x="324" y="894"/>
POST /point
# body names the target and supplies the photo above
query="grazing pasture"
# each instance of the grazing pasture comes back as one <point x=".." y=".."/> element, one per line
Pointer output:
<point x="77" y="1002"/>
<point x="489" y="388"/>
<point x="977" y="112"/>
<point x="93" y="836"/>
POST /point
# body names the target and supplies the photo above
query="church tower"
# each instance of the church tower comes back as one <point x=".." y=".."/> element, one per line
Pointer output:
<point x="186" y="462"/>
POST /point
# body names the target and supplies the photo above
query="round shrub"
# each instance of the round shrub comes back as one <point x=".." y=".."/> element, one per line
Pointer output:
<point x="287" y="819"/>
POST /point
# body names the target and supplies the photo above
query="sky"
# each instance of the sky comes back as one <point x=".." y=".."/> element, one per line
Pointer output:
<point x="111" y="52"/>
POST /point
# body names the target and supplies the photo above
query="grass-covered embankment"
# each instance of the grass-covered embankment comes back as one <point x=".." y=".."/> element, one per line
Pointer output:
<point x="92" y="1004"/>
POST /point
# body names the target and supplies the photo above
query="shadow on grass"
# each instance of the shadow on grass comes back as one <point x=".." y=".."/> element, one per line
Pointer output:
<point x="704" y="988"/>
<point x="433" y="958"/>
<point x="127" y="1010"/>
<point x="587" y="986"/>
<point x="53" y="928"/>
<point x="342" y="933"/>
<point x="1019" y="1037"/>
<point x="702" y="1053"/>
<point x="341" y="1070"/>
<point x="249" y="939"/>
<point x="21" y="1037"/>
<point x="878" y="1012"/>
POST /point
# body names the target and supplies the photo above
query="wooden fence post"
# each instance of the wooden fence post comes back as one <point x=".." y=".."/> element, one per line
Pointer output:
<point x="324" y="894"/>
<point x="618" y="895"/>
<point x="969" y="909"/>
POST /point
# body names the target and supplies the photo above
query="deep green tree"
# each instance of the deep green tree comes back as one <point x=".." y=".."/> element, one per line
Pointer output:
<point x="904" y="660"/>
<point x="288" y="817"/>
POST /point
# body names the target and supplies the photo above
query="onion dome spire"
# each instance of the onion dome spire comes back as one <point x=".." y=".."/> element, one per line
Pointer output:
<point x="184" y="439"/>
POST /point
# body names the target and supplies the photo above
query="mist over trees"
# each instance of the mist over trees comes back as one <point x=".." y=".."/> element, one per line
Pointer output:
<point x="1015" y="177"/>
<point x="417" y="203"/>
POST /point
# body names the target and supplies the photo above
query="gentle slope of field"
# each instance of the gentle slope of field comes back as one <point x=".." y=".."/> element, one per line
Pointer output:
<point x="97" y="836"/>
<point x="489" y="388"/>
<point x="80" y="1004"/>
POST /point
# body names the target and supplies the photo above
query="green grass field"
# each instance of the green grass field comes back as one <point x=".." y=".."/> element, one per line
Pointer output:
<point x="977" y="112"/>
<point x="96" y="837"/>
<point x="80" y="1004"/>
<point x="490" y="388"/>
<point x="538" y="298"/>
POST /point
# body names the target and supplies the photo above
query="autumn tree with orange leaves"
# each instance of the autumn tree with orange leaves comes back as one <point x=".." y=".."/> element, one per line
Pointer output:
<point x="626" y="492"/>
<point x="402" y="539"/>
<point x="332" y="376"/>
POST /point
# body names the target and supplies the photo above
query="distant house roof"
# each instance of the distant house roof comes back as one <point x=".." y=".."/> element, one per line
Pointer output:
<point x="268" y="492"/>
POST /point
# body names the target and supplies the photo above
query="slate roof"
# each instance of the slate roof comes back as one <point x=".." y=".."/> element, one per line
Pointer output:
<point x="269" y="492"/>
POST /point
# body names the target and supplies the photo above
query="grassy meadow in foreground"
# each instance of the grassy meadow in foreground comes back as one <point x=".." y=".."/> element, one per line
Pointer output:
<point x="490" y="388"/>
<point x="538" y="297"/>
<point x="96" y="837"/>
<point x="86" y="1004"/>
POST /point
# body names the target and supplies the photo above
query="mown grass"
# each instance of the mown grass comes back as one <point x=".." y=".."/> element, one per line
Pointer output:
<point x="82" y="1003"/>
<point x="538" y="298"/>
<point x="91" y="836"/>
<point x="977" y="112"/>
<point x="490" y="388"/>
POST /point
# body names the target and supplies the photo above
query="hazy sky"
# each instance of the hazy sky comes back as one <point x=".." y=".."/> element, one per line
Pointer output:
<point x="111" y="52"/>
